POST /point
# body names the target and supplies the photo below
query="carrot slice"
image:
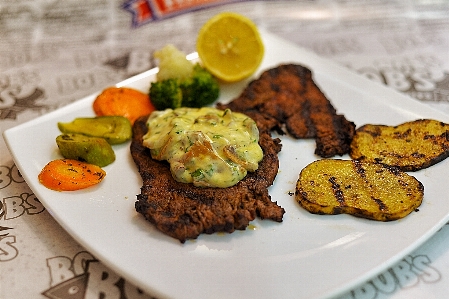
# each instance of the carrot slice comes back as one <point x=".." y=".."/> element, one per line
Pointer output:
<point x="123" y="101"/>
<point x="70" y="175"/>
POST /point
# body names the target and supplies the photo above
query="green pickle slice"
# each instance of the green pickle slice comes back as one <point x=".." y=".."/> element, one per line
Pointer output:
<point x="93" y="150"/>
<point x="115" y="129"/>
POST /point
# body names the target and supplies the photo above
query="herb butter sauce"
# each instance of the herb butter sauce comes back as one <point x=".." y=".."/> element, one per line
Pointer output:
<point x="204" y="146"/>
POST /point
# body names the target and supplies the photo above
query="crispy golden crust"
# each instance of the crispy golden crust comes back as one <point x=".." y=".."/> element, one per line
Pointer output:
<point x="286" y="97"/>
<point x="368" y="190"/>
<point x="184" y="211"/>
<point x="411" y="146"/>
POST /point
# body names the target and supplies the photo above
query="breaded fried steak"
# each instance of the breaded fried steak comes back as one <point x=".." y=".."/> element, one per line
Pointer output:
<point x="184" y="211"/>
<point x="286" y="96"/>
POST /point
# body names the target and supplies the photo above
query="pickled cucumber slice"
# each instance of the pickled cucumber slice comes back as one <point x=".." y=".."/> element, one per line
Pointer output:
<point x="93" y="150"/>
<point x="115" y="129"/>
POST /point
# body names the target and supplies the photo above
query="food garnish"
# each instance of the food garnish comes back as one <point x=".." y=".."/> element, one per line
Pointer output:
<point x="362" y="189"/>
<point x="230" y="47"/>
<point x="180" y="83"/>
<point x="86" y="141"/>
<point x="123" y="101"/>
<point x="410" y="146"/>
<point x="204" y="146"/>
<point x="115" y="129"/>
<point x="93" y="150"/>
<point x="70" y="175"/>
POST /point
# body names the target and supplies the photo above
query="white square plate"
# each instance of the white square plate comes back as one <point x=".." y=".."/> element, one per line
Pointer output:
<point x="305" y="256"/>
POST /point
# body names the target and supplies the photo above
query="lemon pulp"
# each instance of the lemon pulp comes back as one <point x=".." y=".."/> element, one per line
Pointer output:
<point x="230" y="47"/>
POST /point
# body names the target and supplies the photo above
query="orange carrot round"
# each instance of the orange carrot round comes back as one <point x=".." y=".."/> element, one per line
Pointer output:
<point x="123" y="101"/>
<point x="70" y="175"/>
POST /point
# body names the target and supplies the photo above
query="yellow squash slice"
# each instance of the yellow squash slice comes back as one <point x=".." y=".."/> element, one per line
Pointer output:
<point x="362" y="189"/>
<point x="411" y="146"/>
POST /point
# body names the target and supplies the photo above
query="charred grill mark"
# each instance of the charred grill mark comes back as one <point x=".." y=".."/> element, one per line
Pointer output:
<point x="359" y="169"/>
<point x="445" y="135"/>
<point x="200" y="198"/>
<point x="391" y="154"/>
<point x="393" y="169"/>
<point x="402" y="183"/>
<point x="376" y="160"/>
<point x="304" y="75"/>
<point x="337" y="191"/>
<point x="274" y="72"/>
<point x="146" y="175"/>
<point x="417" y="155"/>
<point x="302" y="193"/>
<point x="275" y="87"/>
<point x="420" y="187"/>
<point x="375" y="132"/>
<point x="305" y="114"/>
<point x="402" y="135"/>
<point x="380" y="203"/>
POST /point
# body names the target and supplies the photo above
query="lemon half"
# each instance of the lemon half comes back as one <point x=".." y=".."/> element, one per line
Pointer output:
<point x="230" y="47"/>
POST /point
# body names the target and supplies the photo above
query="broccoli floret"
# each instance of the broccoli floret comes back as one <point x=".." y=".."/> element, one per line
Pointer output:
<point x="201" y="89"/>
<point x="198" y="90"/>
<point x="166" y="94"/>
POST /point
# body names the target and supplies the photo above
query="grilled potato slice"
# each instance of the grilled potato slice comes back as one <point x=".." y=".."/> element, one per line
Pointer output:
<point x="411" y="146"/>
<point x="368" y="190"/>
